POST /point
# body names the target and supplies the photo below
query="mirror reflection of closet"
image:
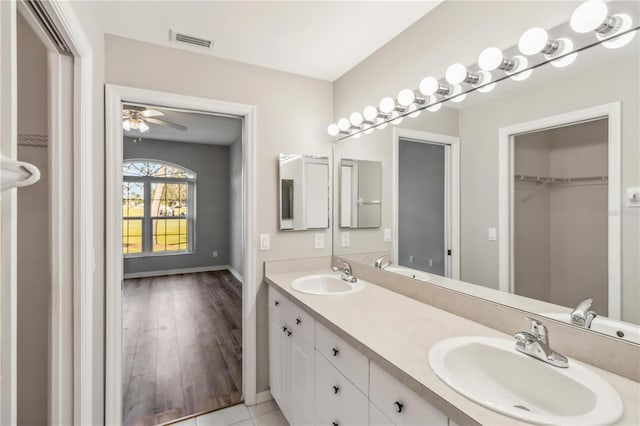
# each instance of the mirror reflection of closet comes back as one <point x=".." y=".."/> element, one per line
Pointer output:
<point x="560" y="214"/>
<point x="304" y="192"/>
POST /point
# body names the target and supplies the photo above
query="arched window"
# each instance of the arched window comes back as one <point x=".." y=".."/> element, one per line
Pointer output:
<point x="158" y="200"/>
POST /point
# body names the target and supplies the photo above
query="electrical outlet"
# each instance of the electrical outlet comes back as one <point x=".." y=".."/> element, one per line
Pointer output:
<point x="387" y="234"/>
<point x="345" y="240"/>
<point x="319" y="241"/>
<point x="265" y="243"/>
<point x="215" y="253"/>
<point x="493" y="234"/>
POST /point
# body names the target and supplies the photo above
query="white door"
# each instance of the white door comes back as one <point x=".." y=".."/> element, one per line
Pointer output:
<point x="8" y="218"/>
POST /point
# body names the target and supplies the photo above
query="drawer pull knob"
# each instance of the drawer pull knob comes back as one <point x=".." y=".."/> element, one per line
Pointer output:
<point x="284" y="329"/>
<point x="335" y="351"/>
<point x="289" y="333"/>
<point x="398" y="406"/>
<point x="334" y="424"/>
<point x="298" y="321"/>
<point x="276" y="303"/>
<point x="336" y="389"/>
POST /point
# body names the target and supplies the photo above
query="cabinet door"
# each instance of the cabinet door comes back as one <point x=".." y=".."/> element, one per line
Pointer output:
<point x="377" y="418"/>
<point x="301" y="369"/>
<point x="276" y="358"/>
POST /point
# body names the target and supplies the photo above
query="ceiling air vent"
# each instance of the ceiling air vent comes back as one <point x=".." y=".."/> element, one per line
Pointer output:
<point x="191" y="40"/>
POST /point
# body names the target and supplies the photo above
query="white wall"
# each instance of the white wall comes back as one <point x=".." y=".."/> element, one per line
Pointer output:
<point x="292" y="116"/>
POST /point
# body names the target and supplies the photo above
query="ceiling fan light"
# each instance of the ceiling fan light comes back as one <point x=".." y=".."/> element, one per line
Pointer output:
<point x="135" y="124"/>
<point x="143" y="127"/>
<point x="126" y="125"/>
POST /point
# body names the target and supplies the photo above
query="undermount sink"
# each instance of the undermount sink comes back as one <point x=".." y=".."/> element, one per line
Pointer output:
<point x="492" y="373"/>
<point x="325" y="284"/>
<point x="604" y="325"/>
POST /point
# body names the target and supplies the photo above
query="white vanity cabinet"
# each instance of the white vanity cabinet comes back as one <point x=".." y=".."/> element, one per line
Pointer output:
<point x="319" y="379"/>
<point x="291" y="360"/>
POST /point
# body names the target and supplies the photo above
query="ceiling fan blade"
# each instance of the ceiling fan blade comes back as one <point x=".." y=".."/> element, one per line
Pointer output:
<point x="165" y="123"/>
<point x="152" y="113"/>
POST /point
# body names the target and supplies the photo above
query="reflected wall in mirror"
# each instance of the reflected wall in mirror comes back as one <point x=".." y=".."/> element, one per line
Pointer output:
<point x="360" y="193"/>
<point x="545" y="169"/>
<point x="304" y="192"/>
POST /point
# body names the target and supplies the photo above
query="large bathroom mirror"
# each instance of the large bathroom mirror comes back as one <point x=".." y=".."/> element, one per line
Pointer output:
<point x="523" y="196"/>
<point x="304" y="192"/>
<point x="360" y="193"/>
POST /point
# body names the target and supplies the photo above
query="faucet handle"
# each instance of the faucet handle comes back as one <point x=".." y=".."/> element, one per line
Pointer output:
<point x="538" y="329"/>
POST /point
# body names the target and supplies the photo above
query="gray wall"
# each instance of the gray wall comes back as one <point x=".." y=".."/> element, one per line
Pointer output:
<point x="211" y="163"/>
<point x="421" y="206"/>
<point x="236" y="259"/>
<point x="34" y="282"/>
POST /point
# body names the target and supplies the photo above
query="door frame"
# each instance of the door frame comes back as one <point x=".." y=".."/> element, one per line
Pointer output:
<point x="506" y="135"/>
<point x="452" y="192"/>
<point x="114" y="97"/>
<point x="71" y="372"/>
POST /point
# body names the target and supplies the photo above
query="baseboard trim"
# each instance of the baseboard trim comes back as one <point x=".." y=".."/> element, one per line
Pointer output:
<point x="236" y="274"/>
<point x="263" y="396"/>
<point x="177" y="271"/>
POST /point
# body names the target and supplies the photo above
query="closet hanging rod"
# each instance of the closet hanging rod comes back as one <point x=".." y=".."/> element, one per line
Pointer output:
<point x="543" y="179"/>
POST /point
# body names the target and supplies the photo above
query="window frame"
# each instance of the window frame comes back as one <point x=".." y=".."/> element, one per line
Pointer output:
<point x="147" y="219"/>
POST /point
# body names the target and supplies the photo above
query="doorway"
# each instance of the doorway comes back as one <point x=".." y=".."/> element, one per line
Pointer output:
<point x="201" y="318"/>
<point x="426" y="180"/>
<point x="560" y="176"/>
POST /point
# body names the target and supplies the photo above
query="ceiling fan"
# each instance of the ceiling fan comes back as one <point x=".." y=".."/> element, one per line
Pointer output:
<point x="138" y="117"/>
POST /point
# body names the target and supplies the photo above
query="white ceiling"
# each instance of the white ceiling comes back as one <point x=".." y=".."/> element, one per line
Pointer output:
<point x="322" y="39"/>
<point x="201" y="128"/>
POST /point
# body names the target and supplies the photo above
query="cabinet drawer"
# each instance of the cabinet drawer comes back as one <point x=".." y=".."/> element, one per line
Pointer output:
<point x="296" y="320"/>
<point x="399" y="403"/>
<point x="338" y="401"/>
<point x="353" y="364"/>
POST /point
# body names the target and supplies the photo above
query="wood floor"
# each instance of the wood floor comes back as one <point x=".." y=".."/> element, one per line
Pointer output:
<point x="182" y="346"/>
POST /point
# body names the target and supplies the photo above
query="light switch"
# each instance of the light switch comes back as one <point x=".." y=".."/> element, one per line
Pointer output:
<point x="633" y="197"/>
<point x="345" y="239"/>
<point x="319" y="241"/>
<point x="387" y="234"/>
<point x="493" y="234"/>
<point x="265" y="243"/>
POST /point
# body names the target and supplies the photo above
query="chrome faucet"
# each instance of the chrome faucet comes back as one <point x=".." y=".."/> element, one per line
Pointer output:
<point x="347" y="274"/>
<point x="582" y="315"/>
<point x="382" y="262"/>
<point x="536" y="344"/>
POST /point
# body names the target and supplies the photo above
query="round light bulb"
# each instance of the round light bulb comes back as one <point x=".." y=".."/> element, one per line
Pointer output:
<point x="435" y="107"/>
<point x="126" y="125"/>
<point x="382" y="124"/>
<point x="457" y="89"/>
<point x="566" y="46"/>
<point x="387" y="105"/>
<point x="414" y="111"/>
<point x="370" y="113"/>
<point x="533" y="41"/>
<point x="395" y="119"/>
<point x="589" y="16"/>
<point x="357" y="135"/>
<point x="490" y="59"/>
<point x="369" y="130"/>
<point x="406" y="97"/>
<point x="623" y="23"/>
<point x="344" y="124"/>
<point x="143" y="127"/>
<point x="429" y="86"/>
<point x="521" y="64"/>
<point x="333" y="129"/>
<point x="456" y="74"/>
<point x="356" y="118"/>
<point x="485" y="77"/>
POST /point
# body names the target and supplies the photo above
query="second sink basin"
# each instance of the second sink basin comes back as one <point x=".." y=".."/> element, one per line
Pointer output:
<point x="325" y="284"/>
<point x="492" y="373"/>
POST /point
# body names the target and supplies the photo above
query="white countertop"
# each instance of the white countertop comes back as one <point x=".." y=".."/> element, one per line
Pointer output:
<point x="389" y="327"/>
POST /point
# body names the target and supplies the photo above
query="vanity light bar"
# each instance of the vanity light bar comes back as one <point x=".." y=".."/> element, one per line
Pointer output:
<point x="612" y="31"/>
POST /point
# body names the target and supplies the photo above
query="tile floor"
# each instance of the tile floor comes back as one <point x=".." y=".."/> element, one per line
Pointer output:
<point x="264" y="414"/>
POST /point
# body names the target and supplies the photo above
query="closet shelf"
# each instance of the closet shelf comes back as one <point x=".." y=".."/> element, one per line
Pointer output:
<point x="547" y="180"/>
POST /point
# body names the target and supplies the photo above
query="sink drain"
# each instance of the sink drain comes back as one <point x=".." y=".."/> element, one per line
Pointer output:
<point x="522" y="407"/>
